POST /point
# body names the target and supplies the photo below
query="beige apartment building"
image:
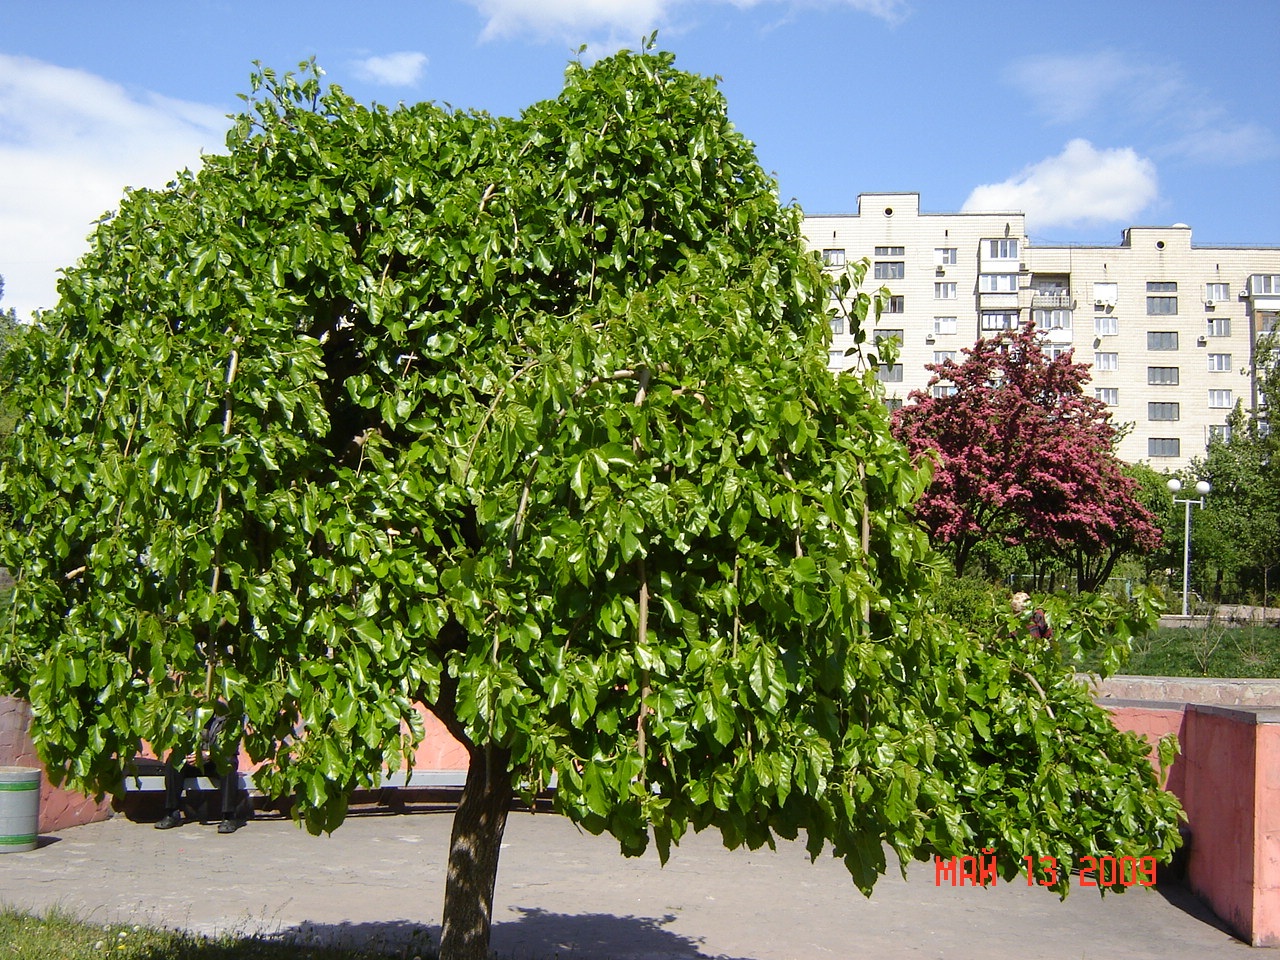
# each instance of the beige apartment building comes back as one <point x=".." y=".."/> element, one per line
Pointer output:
<point x="1167" y="327"/>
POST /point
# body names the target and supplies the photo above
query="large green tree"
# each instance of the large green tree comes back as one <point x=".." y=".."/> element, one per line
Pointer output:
<point x="527" y="421"/>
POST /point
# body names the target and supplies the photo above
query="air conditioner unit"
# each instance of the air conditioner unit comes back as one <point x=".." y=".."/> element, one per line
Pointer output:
<point x="1208" y="303"/>
<point x="930" y="338"/>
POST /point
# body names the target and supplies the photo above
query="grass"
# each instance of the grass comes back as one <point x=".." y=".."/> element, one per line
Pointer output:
<point x="1214" y="650"/>
<point x="63" y="936"/>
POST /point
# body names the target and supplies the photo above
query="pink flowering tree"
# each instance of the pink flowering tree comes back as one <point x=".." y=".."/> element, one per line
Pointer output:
<point x="1023" y="455"/>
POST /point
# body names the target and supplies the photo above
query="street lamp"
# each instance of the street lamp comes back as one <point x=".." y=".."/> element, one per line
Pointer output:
<point x="1202" y="487"/>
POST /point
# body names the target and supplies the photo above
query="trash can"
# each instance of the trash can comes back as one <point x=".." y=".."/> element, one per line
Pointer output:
<point x="19" y="808"/>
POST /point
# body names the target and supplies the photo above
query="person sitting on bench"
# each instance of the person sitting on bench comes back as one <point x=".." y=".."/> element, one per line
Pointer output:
<point x="196" y="765"/>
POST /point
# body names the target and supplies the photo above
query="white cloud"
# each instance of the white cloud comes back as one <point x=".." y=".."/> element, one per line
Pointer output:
<point x="576" y="20"/>
<point x="1080" y="187"/>
<point x="1154" y="100"/>
<point x="401" y="69"/>
<point x="70" y="143"/>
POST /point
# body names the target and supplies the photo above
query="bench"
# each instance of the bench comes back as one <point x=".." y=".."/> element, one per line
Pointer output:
<point x="143" y="786"/>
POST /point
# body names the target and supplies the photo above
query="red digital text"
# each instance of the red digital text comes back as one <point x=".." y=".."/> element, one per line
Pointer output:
<point x="983" y="871"/>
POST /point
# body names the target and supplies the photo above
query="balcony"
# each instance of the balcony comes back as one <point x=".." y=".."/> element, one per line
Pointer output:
<point x="1051" y="299"/>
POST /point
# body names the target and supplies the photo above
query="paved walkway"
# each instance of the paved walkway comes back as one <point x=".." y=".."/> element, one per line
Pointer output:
<point x="564" y="895"/>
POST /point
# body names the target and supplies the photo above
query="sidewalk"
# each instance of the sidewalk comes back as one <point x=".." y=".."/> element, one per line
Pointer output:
<point x="563" y="894"/>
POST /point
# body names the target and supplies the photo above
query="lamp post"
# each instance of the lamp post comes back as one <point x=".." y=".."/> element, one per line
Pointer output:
<point x="1202" y="487"/>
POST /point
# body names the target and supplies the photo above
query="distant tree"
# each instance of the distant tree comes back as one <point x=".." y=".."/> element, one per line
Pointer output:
<point x="1236" y="545"/>
<point x="9" y="325"/>
<point x="527" y="422"/>
<point x="10" y="332"/>
<point x="1153" y="493"/>
<point x="1024" y="456"/>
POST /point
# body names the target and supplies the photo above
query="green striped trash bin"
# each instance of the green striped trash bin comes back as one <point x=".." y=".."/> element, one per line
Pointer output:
<point x="19" y="808"/>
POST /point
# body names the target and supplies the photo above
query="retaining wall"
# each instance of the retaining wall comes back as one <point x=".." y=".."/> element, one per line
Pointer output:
<point x="1228" y="779"/>
<point x="58" y="808"/>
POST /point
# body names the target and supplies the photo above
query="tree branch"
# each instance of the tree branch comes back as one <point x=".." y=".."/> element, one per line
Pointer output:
<point x="642" y="636"/>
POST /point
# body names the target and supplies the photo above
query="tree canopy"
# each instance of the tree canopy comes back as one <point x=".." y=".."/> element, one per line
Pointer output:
<point x="1024" y="456"/>
<point x="1236" y="551"/>
<point x="527" y="421"/>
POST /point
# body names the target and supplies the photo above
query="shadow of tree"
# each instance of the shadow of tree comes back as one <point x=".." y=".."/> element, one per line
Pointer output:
<point x="535" y="935"/>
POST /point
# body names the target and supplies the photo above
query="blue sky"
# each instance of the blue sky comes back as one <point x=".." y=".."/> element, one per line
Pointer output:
<point x="1089" y="116"/>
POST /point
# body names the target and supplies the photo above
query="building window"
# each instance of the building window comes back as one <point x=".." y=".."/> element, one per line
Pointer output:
<point x="1219" y="431"/>
<point x="1163" y="447"/>
<point x="1162" y="286"/>
<point x="944" y="291"/>
<point x="896" y="305"/>
<point x="1162" y="411"/>
<point x="1106" y="326"/>
<point x="1216" y="293"/>
<point x="1055" y="319"/>
<point x="890" y="373"/>
<point x="944" y="325"/>
<point x="893" y="403"/>
<point x="1219" y="326"/>
<point x="1262" y="283"/>
<point x="1002" y="249"/>
<point x="1106" y="294"/>
<point x="833" y="258"/>
<point x="1220" y="399"/>
<point x="1219" y="363"/>
<point x="942" y="356"/>
<point x="998" y="283"/>
<point x="837" y="325"/>
<point x="835" y="358"/>
<point x="1162" y="339"/>
<point x="888" y="334"/>
<point x="890" y="270"/>
<point x="1055" y="350"/>
<point x="1162" y="306"/>
<point x="1106" y="362"/>
<point x="1162" y="376"/>
<point x="999" y="320"/>
<point x="944" y="390"/>
<point x="1108" y="395"/>
<point x="945" y="256"/>
<point x="891" y="251"/>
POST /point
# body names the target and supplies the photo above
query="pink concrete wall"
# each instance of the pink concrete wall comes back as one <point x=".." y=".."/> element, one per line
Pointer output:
<point x="1154" y="721"/>
<point x="1228" y="779"/>
<point x="438" y="750"/>
<point x="59" y="808"/>
<point x="1219" y="800"/>
<point x="1266" y="858"/>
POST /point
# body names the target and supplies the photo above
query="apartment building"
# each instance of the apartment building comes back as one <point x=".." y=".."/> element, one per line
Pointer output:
<point x="1168" y="328"/>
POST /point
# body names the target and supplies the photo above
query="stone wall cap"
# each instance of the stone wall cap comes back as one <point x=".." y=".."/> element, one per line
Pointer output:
<point x="1245" y="714"/>
<point x="1129" y="702"/>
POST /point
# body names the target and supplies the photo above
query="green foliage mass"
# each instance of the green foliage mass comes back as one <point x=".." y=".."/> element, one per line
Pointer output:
<point x="527" y="421"/>
<point x="1236" y="538"/>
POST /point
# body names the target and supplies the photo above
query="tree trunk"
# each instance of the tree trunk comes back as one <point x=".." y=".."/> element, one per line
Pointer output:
<point x="473" y="856"/>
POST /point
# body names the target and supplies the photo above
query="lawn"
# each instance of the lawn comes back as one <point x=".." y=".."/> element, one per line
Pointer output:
<point x="1215" y="650"/>
<point x="61" y="935"/>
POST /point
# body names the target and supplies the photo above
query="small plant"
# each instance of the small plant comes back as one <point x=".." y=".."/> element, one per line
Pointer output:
<point x="1207" y="639"/>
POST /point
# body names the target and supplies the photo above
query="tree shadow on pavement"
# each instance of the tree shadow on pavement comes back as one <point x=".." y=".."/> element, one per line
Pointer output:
<point x="535" y="935"/>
